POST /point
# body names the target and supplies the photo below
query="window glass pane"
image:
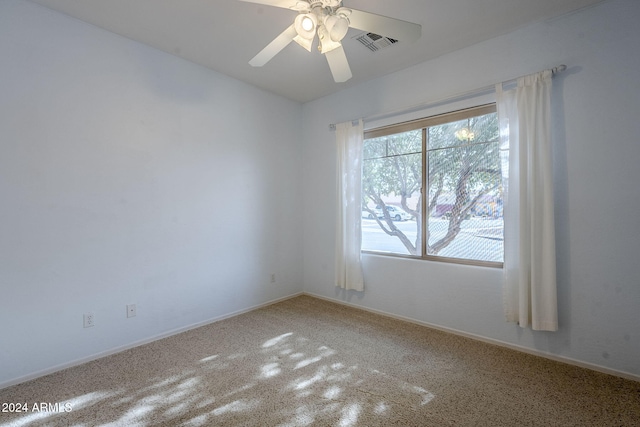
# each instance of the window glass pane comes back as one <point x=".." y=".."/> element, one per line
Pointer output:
<point x="391" y="179"/>
<point x="463" y="217"/>
<point x="375" y="148"/>
<point x="468" y="131"/>
<point x="405" y="143"/>
<point x="449" y="134"/>
<point x="393" y="145"/>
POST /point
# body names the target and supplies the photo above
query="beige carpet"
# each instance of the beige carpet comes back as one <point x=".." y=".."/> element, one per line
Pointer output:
<point x="310" y="362"/>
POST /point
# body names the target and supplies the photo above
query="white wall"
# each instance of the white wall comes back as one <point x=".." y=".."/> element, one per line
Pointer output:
<point x="597" y="148"/>
<point x="128" y="175"/>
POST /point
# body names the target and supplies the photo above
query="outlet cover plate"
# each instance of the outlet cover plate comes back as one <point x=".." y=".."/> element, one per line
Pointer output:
<point x="88" y="320"/>
<point x="131" y="310"/>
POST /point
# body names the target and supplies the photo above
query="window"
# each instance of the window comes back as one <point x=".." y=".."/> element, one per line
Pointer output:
<point x="447" y="167"/>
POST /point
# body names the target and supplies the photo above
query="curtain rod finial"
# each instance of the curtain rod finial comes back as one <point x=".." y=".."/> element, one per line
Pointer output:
<point x="559" y="69"/>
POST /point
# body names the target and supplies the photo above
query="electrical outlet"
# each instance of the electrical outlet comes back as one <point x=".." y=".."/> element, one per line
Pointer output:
<point x="273" y="277"/>
<point x="88" y="320"/>
<point x="131" y="310"/>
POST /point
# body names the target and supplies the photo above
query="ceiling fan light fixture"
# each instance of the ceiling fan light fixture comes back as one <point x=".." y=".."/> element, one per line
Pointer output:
<point x="305" y="43"/>
<point x="301" y="6"/>
<point x="337" y="26"/>
<point x="305" y="25"/>
<point x="326" y="43"/>
<point x="331" y="22"/>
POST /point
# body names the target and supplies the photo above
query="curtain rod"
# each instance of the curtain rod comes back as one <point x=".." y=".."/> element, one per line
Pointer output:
<point x="457" y="97"/>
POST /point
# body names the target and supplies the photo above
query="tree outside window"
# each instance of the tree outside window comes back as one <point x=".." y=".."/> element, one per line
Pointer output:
<point x="447" y="167"/>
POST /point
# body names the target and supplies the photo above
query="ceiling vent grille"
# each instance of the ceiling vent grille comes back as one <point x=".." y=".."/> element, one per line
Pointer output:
<point x="375" y="42"/>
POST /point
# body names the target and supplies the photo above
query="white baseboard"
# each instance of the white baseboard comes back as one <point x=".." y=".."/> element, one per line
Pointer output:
<point x="120" y="349"/>
<point x="176" y="331"/>
<point x="523" y="349"/>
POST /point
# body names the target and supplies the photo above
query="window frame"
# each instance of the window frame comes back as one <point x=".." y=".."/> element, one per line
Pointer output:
<point x="422" y="124"/>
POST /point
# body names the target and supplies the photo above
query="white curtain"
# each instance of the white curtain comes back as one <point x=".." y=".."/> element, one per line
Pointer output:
<point x="530" y="295"/>
<point x="349" y="140"/>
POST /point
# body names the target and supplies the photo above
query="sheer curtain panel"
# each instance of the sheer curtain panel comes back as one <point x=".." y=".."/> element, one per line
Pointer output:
<point x="530" y="295"/>
<point x="349" y="140"/>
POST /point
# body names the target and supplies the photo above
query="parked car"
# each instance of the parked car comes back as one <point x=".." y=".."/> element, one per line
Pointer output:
<point x="367" y="214"/>
<point x="396" y="213"/>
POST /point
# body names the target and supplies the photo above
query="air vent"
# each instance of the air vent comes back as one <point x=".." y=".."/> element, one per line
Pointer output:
<point x="375" y="42"/>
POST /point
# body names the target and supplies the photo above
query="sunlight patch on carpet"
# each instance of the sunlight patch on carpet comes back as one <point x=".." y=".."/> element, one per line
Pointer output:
<point x="276" y="340"/>
<point x="270" y="370"/>
<point x="350" y="415"/>
<point x="237" y="406"/>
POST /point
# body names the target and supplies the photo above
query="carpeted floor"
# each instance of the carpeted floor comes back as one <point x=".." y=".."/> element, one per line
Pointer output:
<point x="306" y="362"/>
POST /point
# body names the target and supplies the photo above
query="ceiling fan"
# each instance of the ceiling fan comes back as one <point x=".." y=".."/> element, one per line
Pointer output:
<point x="330" y="21"/>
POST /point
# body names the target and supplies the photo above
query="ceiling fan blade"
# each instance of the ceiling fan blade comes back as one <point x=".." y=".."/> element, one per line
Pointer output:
<point x="285" y="4"/>
<point x="339" y="65"/>
<point x="273" y="48"/>
<point x="385" y="26"/>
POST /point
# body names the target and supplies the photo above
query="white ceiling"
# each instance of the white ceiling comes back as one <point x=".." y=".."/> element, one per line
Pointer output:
<point x="225" y="34"/>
